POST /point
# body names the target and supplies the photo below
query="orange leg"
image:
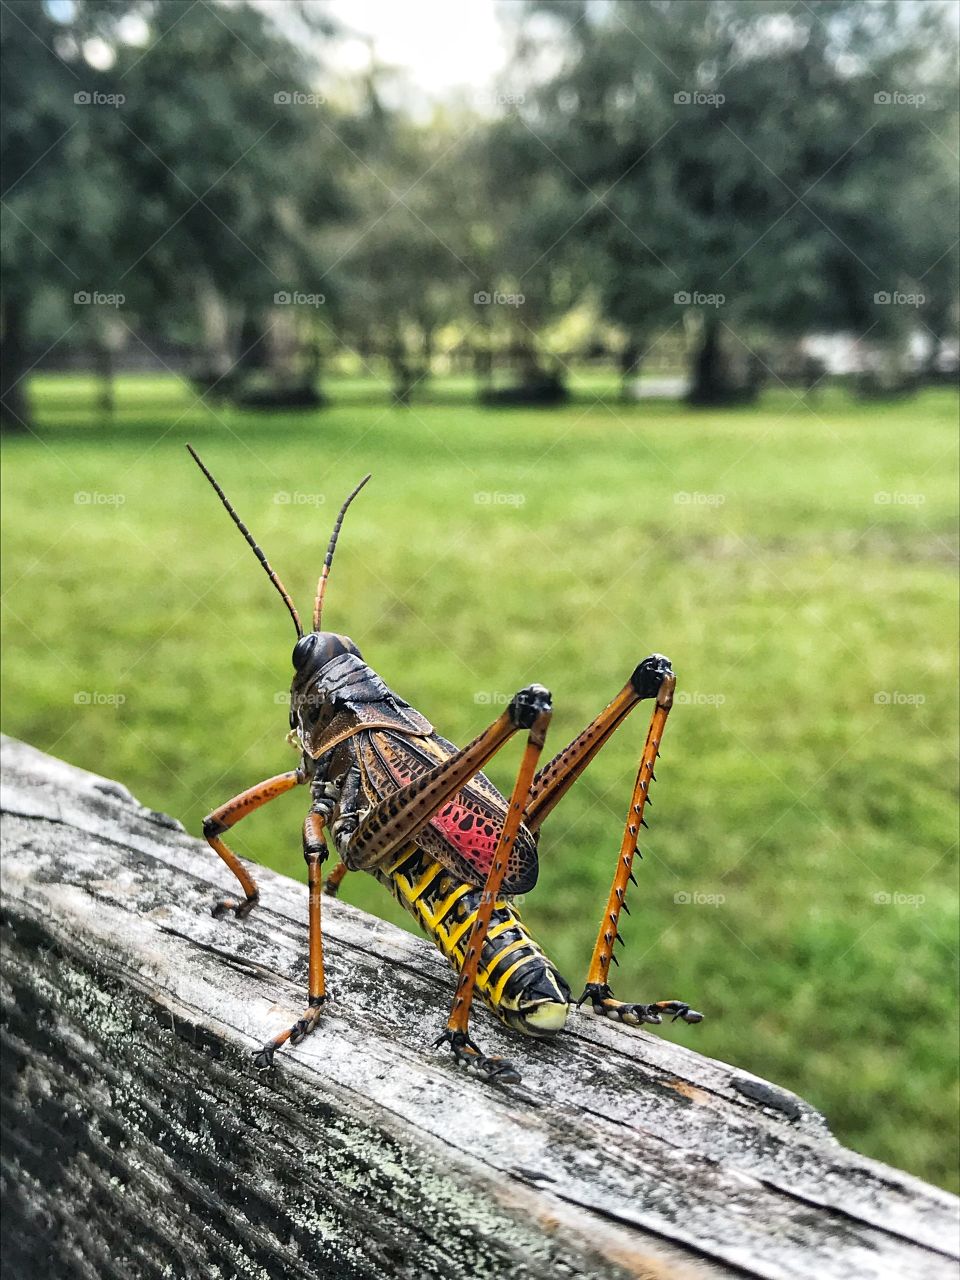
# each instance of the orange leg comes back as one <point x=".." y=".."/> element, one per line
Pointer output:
<point x="535" y="716"/>
<point x="597" y="990"/>
<point x="228" y="815"/>
<point x="314" y="851"/>
<point x="556" y="778"/>
<point x="334" y="879"/>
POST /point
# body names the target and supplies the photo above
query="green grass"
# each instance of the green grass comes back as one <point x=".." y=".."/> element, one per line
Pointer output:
<point x="789" y="598"/>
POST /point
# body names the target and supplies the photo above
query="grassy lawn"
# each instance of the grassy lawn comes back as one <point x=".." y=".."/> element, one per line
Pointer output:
<point x="797" y="565"/>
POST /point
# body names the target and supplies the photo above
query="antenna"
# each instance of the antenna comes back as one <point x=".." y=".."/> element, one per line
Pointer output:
<point x="250" y="539"/>
<point x="328" y="560"/>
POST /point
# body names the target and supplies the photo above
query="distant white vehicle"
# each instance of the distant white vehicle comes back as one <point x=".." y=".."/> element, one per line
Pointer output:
<point x="658" y="388"/>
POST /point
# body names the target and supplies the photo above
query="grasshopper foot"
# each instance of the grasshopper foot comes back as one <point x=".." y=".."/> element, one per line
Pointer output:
<point x="240" y="909"/>
<point x="468" y="1055"/>
<point x="263" y="1058"/>
<point x="602" y="1003"/>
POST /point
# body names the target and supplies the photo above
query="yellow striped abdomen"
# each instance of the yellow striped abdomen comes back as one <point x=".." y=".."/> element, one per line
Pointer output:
<point x="514" y="978"/>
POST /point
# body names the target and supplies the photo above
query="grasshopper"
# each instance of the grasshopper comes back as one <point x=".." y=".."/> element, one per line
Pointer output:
<point x="396" y="799"/>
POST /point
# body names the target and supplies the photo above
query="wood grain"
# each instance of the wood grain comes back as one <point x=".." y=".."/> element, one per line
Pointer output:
<point x="138" y="1140"/>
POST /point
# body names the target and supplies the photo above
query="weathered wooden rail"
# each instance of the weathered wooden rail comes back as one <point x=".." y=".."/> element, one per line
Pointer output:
<point x="140" y="1142"/>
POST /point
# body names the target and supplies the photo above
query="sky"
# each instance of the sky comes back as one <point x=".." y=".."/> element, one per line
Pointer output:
<point x="444" y="44"/>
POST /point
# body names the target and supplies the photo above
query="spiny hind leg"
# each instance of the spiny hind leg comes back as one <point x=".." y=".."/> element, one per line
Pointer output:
<point x="603" y="1004"/>
<point x="531" y="710"/>
<point x="597" y="990"/>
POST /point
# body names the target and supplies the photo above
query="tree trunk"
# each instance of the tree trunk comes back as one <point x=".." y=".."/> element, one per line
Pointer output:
<point x="402" y="375"/>
<point x="14" y="366"/>
<point x="710" y="383"/>
<point x="631" y="361"/>
<point x="106" y="402"/>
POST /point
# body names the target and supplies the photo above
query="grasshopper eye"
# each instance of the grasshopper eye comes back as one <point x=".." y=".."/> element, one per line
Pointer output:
<point x="303" y="651"/>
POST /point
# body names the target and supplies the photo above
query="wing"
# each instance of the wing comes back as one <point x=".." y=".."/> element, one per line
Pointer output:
<point x="463" y="835"/>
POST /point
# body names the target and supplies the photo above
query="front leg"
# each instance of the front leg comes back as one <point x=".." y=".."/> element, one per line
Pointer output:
<point x="222" y="819"/>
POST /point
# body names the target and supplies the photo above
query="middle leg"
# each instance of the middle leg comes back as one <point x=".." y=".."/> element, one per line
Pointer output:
<point x="314" y="852"/>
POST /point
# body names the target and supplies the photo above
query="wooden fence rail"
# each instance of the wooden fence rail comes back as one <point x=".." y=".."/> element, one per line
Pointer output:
<point x="139" y="1141"/>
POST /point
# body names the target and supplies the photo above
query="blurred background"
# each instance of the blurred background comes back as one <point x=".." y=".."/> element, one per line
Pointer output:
<point x="644" y="316"/>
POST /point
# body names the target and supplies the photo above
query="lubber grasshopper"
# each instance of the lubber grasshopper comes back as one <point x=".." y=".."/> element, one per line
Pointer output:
<point x="401" y="802"/>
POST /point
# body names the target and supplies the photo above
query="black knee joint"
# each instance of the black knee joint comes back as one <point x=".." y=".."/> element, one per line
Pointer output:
<point x="213" y="828"/>
<point x="528" y="704"/>
<point x="650" y="675"/>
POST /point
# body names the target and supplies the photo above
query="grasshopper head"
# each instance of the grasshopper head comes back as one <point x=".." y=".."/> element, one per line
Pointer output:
<point x="314" y="650"/>
<point x="311" y="707"/>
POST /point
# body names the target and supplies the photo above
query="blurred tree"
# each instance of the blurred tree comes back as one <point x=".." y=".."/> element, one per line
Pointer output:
<point x="743" y="162"/>
<point x="158" y="152"/>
